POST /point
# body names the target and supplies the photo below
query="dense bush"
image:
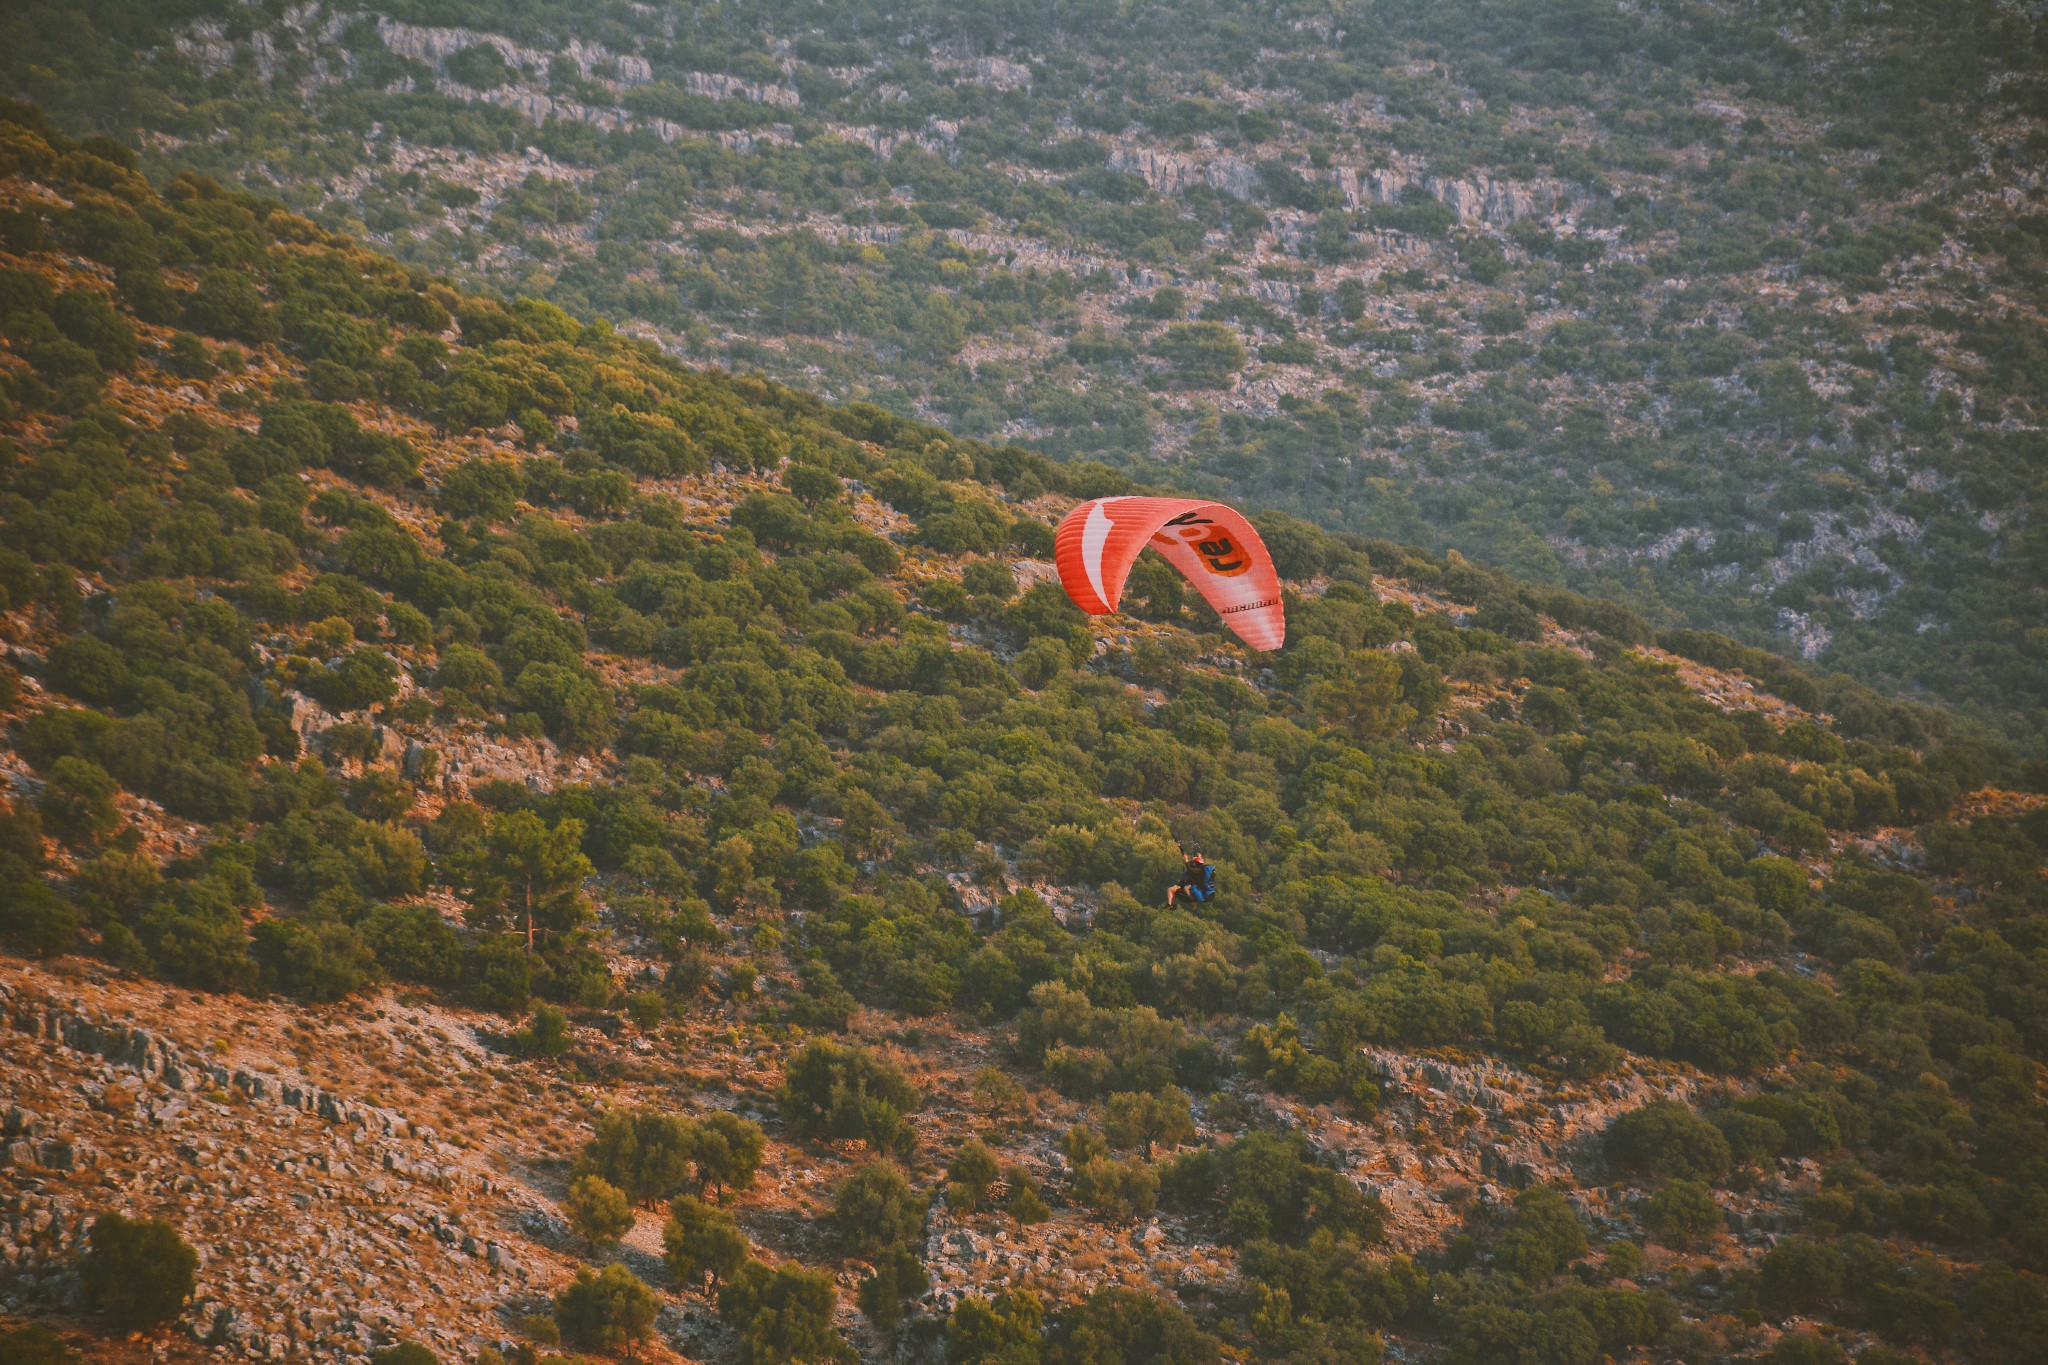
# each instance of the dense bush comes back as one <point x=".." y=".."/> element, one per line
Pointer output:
<point x="137" y="1273"/>
<point x="847" y="1092"/>
<point x="876" y="1209"/>
<point x="606" y="1309"/>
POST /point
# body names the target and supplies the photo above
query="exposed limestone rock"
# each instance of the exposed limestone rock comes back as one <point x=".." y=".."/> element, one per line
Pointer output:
<point x="1175" y="172"/>
<point x="1481" y="198"/>
<point x="1000" y="74"/>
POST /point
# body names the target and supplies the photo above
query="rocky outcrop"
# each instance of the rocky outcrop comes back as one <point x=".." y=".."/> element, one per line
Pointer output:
<point x="1478" y="198"/>
<point x="994" y="71"/>
<point x="716" y="85"/>
<point x="1175" y="172"/>
<point x="152" y="1055"/>
<point x="325" y="1227"/>
<point x="886" y="142"/>
<point x="432" y="46"/>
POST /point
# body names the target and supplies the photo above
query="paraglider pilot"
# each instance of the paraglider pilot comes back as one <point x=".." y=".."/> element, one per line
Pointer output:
<point x="1197" y="880"/>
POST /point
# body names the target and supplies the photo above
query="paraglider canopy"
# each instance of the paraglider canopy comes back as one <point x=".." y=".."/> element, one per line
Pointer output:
<point x="1211" y="543"/>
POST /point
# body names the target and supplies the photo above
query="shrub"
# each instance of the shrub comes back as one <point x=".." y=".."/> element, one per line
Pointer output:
<point x="78" y="800"/>
<point x="644" y="1152"/>
<point x="35" y="918"/>
<point x="1543" y="1238"/>
<point x="701" y="1242"/>
<point x="1117" y="1190"/>
<point x="91" y="670"/>
<point x="404" y="1353"/>
<point x="1666" y="1140"/>
<point x="1269" y="1185"/>
<point x="34" y="1344"/>
<point x="1027" y="1206"/>
<point x="1682" y="1215"/>
<point x="227" y="305"/>
<point x="1799" y="1276"/>
<point x="847" y="1092"/>
<point x="546" y="1034"/>
<point x="498" y="975"/>
<point x="1800" y="1348"/>
<point x="1203" y="354"/>
<point x="1009" y="1328"/>
<point x="598" y="1210"/>
<point x="885" y="1296"/>
<point x="606" y="1310"/>
<point x="783" y="1316"/>
<point x="972" y="1171"/>
<point x="876" y="1209"/>
<point x="413" y="943"/>
<point x="137" y="1272"/>
<point x="1129" y="1325"/>
<point x="319" y="962"/>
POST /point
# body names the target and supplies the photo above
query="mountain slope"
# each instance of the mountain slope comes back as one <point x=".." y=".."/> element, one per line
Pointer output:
<point x="434" y="791"/>
<point x="1730" y="312"/>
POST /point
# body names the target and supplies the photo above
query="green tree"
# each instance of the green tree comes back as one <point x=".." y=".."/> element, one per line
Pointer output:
<point x="137" y="1272"/>
<point x="886" y="1294"/>
<point x="644" y="1152"/>
<point x="784" y="1316"/>
<point x="1365" y="700"/>
<point x="532" y="876"/>
<point x="875" y="1209"/>
<point x="701" y="1242"/>
<point x="1147" y="1118"/>
<point x="404" y="1353"/>
<point x="1117" y="1190"/>
<point x="1668" y="1141"/>
<point x="970" y="1173"/>
<point x="598" y="1210"/>
<point x="727" y="1151"/>
<point x="546" y="1034"/>
<point x="1005" y="1331"/>
<point x="1682" y="1215"/>
<point x="607" y="1311"/>
<point x="1131" y="1328"/>
<point x="1543" y="1238"/>
<point x="847" y="1092"/>
<point x="78" y="801"/>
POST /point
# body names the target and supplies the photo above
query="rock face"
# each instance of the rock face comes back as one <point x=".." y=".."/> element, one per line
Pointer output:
<point x="1476" y="199"/>
<point x="1175" y="172"/>
<point x="433" y="46"/>
<point x="1480" y="198"/>
<point x="718" y="86"/>
<point x="153" y="1055"/>
<point x="326" y="1225"/>
<point x="994" y="71"/>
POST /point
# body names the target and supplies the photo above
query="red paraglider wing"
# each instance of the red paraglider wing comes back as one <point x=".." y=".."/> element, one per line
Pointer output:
<point x="1212" y="545"/>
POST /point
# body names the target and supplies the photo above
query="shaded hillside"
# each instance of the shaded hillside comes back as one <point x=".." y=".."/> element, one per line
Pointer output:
<point x="696" y="788"/>
<point x="1731" y="312"/>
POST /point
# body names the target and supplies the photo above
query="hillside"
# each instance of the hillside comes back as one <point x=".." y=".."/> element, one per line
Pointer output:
<point x="685" y="834"/>
<point x="1731" y="312"/>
